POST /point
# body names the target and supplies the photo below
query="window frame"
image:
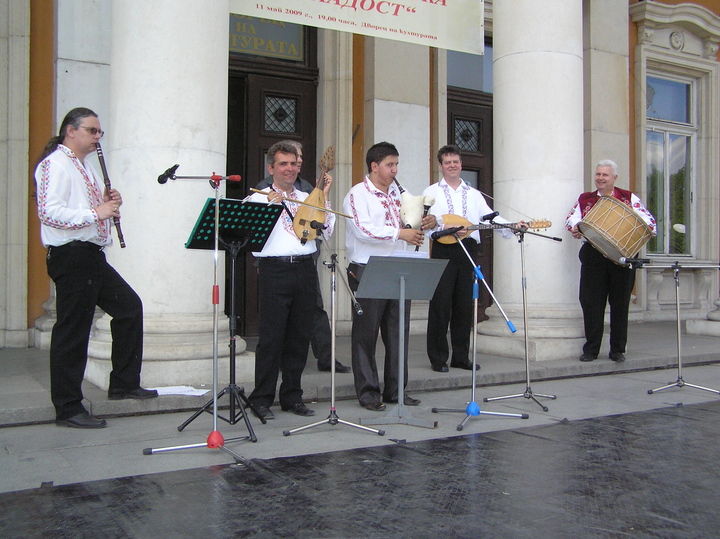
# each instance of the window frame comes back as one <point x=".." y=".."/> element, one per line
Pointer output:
<point x="705" y="76"/>
<point x="669" y="128"/>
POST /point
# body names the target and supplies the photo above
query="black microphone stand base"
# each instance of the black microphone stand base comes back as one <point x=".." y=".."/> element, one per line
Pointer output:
<point x="528" y="394"/>
<point x="333" y="420"/>
<point x="682" y="383"/>
<point x="239" y="402"/>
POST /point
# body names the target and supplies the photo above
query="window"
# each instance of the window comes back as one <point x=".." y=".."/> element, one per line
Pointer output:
<point x="471" y="71"/>
<point x="671" y="129"/>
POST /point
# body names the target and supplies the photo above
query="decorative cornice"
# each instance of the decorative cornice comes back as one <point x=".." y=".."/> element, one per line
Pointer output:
<point x="697" y="20"/>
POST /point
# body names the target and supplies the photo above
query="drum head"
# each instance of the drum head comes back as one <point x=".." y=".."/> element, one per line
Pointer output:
<point x="614" y="229"/>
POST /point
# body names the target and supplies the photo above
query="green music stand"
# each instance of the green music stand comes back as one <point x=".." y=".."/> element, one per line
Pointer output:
<point x="247" y="222"/>
<point x="242" y="226"/>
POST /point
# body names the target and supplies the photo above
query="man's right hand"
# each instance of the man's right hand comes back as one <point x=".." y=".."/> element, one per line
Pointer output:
<point x="107" y="210"/>
<point x="412" y="236"/>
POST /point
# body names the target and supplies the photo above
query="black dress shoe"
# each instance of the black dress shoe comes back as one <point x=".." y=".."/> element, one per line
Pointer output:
<point x="440" y="367"/>
<point x="374" y="406"/>
<point x="407" y="400"/>
<point x="339" y="368"/>
<point x="588" y="357"/>
<point x="299" y="408"/>
<point x="468" y="366"/>
<point x="137" y="393"/>
<point x="82" y="421"/>
<point x="618" y="357"/>
<point x="262" y="412"/>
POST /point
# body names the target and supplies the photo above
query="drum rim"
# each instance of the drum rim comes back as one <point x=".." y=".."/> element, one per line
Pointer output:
<point x="606" y="244"/>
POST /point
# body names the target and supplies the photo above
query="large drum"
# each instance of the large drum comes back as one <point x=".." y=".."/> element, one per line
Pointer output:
<point x="614" y="229"/>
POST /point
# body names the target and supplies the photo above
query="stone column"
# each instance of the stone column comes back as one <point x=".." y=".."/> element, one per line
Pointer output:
<point x="168" y="105"/>
<point x="397" y="110"/>
<point x="14" y="192"/>
<point x="538" y="163"/>
<point x="335" y="53"/>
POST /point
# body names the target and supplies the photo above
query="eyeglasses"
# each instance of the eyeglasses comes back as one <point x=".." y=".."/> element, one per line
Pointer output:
<point x="94" y="130"/>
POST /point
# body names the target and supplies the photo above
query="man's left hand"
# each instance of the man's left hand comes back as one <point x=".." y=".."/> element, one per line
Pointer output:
<point x="429" y="222"/>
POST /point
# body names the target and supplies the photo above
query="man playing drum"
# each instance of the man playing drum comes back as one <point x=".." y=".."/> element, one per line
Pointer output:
<point x="601" y="279"/>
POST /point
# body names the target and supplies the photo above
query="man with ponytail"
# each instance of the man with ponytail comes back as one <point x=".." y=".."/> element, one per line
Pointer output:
<point x="76" y="214"/>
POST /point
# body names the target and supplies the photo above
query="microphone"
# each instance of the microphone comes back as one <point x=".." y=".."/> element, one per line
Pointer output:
<point x="639" y="262"/>
<point x="490" y="216"/>
<point x="168" y="174"/>
<point x="358" y="309"/>
<point x="447" y="232"/>
<point x="317" y="225"/>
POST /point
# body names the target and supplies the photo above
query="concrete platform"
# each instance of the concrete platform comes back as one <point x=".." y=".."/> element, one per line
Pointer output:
<point x="25" y="378"/>
<point x="607" y="460"/>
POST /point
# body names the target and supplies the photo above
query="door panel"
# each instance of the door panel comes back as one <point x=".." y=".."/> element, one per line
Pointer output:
<point x="470" y="128"/>
<point x="263" y="110"/>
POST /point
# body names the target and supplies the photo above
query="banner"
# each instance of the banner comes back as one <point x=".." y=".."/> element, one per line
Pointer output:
<point x="445" y="24"/>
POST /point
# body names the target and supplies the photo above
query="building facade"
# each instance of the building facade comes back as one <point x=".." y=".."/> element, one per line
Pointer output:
<point x="562" y="85"/>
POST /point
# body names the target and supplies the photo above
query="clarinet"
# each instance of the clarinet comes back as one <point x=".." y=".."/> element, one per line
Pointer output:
<point x="106" y="179"/>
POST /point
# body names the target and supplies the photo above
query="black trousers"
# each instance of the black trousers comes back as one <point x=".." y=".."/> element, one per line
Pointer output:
<point x="83" y="280"/>
<point x="379" y="315"/>
<point x="601" y="282"/>
<point x="452" y="304"/>
<point x="287" y="293"/>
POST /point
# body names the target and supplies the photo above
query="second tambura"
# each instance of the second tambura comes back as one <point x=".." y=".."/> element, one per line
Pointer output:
<point x="614" y="229"/>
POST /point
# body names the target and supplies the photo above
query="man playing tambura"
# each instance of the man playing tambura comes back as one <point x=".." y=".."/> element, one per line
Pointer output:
<point x="602" y="280"/>
<point x="452" y="303"/>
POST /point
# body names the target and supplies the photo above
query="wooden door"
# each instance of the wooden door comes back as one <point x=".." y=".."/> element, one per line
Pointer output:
<point x="263" y="110"/>
<point x="470" y="128"/>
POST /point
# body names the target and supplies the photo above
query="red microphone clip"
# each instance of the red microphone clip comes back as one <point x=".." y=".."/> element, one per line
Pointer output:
<point x="215" y="179"/>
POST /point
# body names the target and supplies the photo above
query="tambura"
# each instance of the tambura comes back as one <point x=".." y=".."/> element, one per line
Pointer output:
<point x="614" y="229"/>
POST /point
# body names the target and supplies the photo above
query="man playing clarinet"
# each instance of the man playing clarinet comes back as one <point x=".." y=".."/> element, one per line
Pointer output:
<point x="76" y="213"/>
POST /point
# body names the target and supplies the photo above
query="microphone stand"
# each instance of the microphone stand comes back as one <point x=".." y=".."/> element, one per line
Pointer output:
<point x="333" y="419"/>
<point x="676" y="267"/>
<point x="473" y="408"/>
<point x="215" y="439"/>
<point x="528" y="393"/>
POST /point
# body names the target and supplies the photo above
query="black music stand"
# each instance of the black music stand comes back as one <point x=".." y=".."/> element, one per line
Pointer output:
<point x="400" y="278"/>
<point x="244" y="226"/>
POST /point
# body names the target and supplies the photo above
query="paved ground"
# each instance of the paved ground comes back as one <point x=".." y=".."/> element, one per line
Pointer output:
<point x="606" y="460"/>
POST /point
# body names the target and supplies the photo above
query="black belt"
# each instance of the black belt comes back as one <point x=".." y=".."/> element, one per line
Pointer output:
<point x="77" y="243"/>
<point x="294" y="259"/>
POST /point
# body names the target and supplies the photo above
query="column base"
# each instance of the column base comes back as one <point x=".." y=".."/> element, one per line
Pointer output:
<point x="703" y="327"/>
<point x="710" y="327"/>
<point x="549" y="338"/>
<point x="177" y="350"/>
